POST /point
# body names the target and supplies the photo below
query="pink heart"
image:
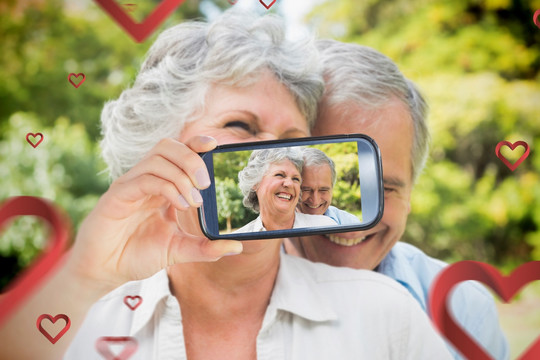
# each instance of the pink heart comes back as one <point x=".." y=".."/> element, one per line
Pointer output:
<point x="102" y="346"/>
<point x="22" y="287"/>
<point x="53" y="320"/>
<point x="77" y="76"/>
<point x="269" y="5"/>
<point x="34" y="136"/>
<point x="139" y="32"/>
<point x="512" y="147"/>
<point x="505" y="286"/>
<point x="136" y="300"/>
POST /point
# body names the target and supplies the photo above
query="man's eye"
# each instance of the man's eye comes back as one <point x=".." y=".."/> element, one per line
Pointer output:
<point x="389" y="190"/>
<point x="240" y="124"/>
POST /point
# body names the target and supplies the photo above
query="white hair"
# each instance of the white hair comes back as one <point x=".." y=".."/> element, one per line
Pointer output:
<point x="361" y="75"/>
<point x="316" y="157"/>
<point x="185" y="61"/>
<point x="259" y="162"/>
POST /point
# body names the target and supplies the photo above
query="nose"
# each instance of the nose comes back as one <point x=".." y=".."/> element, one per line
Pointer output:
<point x="287" y="182"/>
<point x="316" y="198"/>
<point x="267" y="136"/>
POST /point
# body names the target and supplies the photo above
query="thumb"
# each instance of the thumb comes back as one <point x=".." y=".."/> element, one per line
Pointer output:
<point x="192" y="248"/>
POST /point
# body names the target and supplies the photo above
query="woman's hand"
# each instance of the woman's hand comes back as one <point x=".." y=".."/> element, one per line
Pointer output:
<point x="133" y="232"/>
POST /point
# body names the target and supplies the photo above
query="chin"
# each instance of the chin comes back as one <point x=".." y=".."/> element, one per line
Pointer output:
<point x="351" y="254"/>
<point x="310" y="211"/>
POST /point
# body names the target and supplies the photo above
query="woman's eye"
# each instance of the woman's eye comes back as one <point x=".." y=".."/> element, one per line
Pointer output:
<point x="296" y="179"/>
<point x="279" y="175"/>
<point x="240" y="124"/>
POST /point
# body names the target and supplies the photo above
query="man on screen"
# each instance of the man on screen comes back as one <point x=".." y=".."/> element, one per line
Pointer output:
<point x="318" y="180"/>
<point x="366" y="93"/>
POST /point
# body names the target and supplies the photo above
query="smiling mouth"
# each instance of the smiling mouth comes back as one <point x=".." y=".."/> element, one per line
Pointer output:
<point x="284" y="196"/>
<point x="313" y="207"/>
<point x="347" y="242"/>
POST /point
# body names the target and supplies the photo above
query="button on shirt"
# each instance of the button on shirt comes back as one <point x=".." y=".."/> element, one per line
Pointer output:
<point x="472" y="305"/>
<point x="315" y="312"/>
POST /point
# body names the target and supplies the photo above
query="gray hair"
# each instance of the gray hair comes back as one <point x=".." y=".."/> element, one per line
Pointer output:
<point x="359" y="74"/>
<point x="316" y="157"/>
<point x="259" y="162"/>
<point x="182" y="65"/>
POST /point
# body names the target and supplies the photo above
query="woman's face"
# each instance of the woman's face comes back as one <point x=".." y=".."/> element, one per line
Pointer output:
<point x="264" y="110"/>
<point x="279" y="191"/>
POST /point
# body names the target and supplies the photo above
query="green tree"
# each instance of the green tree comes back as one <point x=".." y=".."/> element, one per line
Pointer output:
<point x="229" y="203"/>
<point x="64" y="168"/>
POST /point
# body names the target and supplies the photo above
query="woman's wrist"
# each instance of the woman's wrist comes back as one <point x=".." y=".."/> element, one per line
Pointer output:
<point x="86" y="280"/>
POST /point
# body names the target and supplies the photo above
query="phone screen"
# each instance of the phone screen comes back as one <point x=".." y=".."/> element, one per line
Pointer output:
<point x="264" y="189"/>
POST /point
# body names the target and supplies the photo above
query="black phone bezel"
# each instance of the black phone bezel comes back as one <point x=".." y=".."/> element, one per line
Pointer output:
<point x="209" y="201"/>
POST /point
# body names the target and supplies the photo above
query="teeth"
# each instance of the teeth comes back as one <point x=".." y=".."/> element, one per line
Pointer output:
<point x="284" y="196"/>
<point x="312" y="207"/>
<point x="345" y="242"/>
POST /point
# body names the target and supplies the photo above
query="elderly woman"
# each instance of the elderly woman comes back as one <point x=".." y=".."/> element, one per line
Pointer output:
<point x="234" y="80"/>
<point x="271" y="184"/>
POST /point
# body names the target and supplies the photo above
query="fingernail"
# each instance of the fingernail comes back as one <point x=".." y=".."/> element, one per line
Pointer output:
<point x="196" y="196"/>
<point x="232" y="253"/>
<point x="183" y="201"/>
<point x="206" y="139"/>
<point x="202" y="178"/>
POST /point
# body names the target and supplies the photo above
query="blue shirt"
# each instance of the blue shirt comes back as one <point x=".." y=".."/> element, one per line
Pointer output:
<point x="341" y="217"/>
<point x="471" y="304"/>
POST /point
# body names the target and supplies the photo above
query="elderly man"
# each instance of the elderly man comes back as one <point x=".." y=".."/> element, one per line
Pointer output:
<point x="366" y="92"/>
<point x="318" y="180"/>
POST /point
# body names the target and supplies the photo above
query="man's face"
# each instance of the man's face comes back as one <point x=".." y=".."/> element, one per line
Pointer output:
<point x="392" y="128"/>
<point x="316" y="189"/>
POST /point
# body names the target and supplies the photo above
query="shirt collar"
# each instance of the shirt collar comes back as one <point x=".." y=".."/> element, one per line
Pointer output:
<point x="258" y="225"/>
<point x="296" y="290"/>
<point x="396" y="265"/>
<point x="153" y="290"/>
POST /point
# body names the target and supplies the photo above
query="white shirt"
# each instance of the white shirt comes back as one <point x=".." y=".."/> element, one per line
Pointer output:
<point x="316" y="312"/>
<point x="301" y="220"/>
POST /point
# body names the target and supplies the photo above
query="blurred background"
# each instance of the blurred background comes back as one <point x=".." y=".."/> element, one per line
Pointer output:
<point x="477" y="62"/>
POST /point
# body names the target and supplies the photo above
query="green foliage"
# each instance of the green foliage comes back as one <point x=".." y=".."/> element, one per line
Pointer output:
<point x="231" y="211"/>
<point x="42" y="42"/>
<point x="63" y="168"/>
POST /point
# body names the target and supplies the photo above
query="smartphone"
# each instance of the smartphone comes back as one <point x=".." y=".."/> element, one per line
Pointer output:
<point x="294" y="187"/>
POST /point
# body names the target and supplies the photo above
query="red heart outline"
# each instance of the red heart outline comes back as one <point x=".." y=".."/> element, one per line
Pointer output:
<point x="126" y="298"/>
<point x="505" y="286"/>
<point x="535" y="18"/>
<point x="76" y="75"/>
<point x="34" y="136"/>
<point x="102" y="347"/>
<point x="53" y="340"/>
<point x="22" y="287"/>
<point x="141" y="31"/>
<point x="267" y="6"/>
<point x="512" y="147"/>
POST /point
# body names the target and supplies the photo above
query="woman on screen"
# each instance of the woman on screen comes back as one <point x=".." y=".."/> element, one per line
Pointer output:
<point x="271" y="184"/>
